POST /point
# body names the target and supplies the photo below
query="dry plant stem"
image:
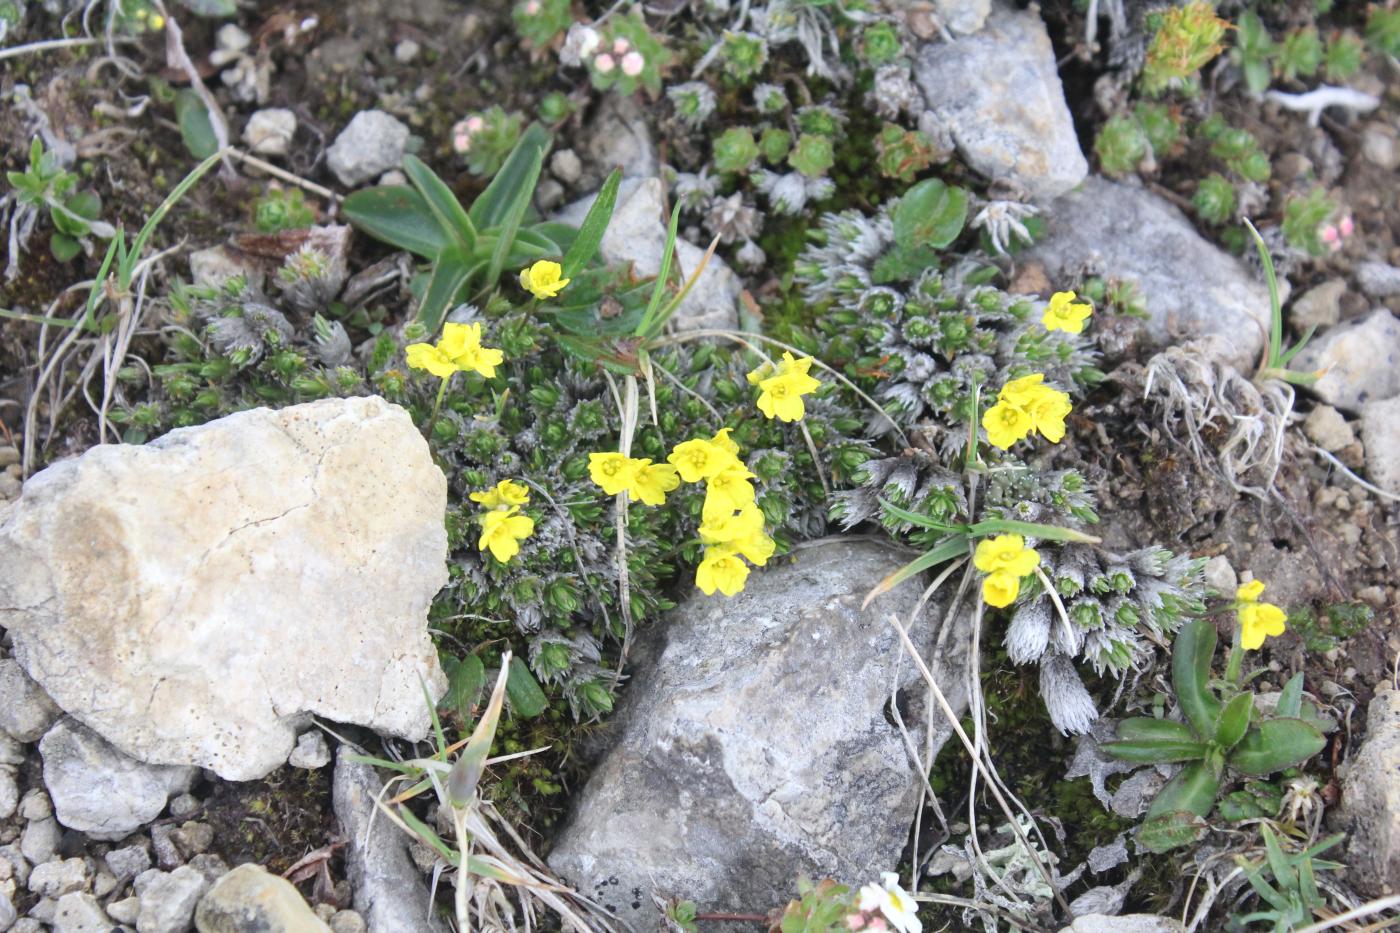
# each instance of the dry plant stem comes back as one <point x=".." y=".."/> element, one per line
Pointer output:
<point x="282" y="174"/>
<point x="1352" y="476"/>
<point x="1055" y="598"/>
<point x="178" y="58"/>
<point x="49" y="44"/>
<point x="977" y="763"/>
<point x="1365" y="910"/>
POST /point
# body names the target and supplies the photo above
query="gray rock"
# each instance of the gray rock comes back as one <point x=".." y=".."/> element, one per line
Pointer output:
<point x="389" y="893"/>
<point x="1379" y="145"/>
<point x="210" y="866"/>
<point x="183" y="806"/>
<point x="27" y="925"/>
<point x="754" y="737"/>
<point x="59" y="877"/>
<point x="371" y="144"/>
<point x="347" y="921"/>
<point x="9" y="792"/>
<point x="1326" y="428"/>
<point x="998" y="92"/>
<point x="178" y="597"/>
<point x="250" y="900"/>
<point x="8" y="914"/>
<point x="1126" y="923"/>
<point x="1191" y="289"/>
<point x="1319" y="306"/>
<point x="214" y="266"/>
<point x="1221" y="577"/>
<point x="103" y="883"/>
<point x="193" y="838"/>
<point x="167" y="853"/>
<point x="1370" y="810"/>
<point x="269" y="132"/>
<point x="963" y="16"/>
<point x="9" y="455"/>
<point x="35" y="805"/>
<point x="637" y="234"/>
<point x="618" y="138"/>
<point x="168" y="899"/>
<point x="1380" y="433"/>
<point x="80" y="913"/>
<point x="11" y="750"/>
<point x="125" y="910"/>
<point x="566" y="166"/>
<point x="39" y="841"/>
<point x="126" y="863"/>
<point x="1378" y="279"/>
<point x="99" y="791"/>
<point x="549" y="194"/>
<point x="26" y="712"/>
<point x="1359" y="360"/>
<point x="311" y="752"/>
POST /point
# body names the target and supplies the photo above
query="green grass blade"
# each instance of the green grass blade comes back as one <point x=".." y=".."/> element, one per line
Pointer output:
<point x="127" y="267"/>
<point x="590" y="232"/>
<point x="644" y="329"/>
<point x="505" y="235"/>
<point x="1275" y="306"/>
<point x="1001" y="526"/>
<point x="518" y="171"/>
<point x="923" y="521"/>
<point x="944" y="550"/>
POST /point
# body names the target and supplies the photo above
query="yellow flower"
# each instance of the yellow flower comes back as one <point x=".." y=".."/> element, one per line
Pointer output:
<point x="723" y="441"/>
<point x="1000" y="589"/>
<point x="502" y="530"/>
<point x="721" y="570"/>
<point x="701" y="459"/>
<point x="1006" y="554"/>
<point x="1257" y="620"/>
<point x="742" y="531"/>
<point x="1063" y="313"/>
<point x="651" y="481"/>
<point x="781" y="393"/>
<point x="504" y="495"/>
<point x="612" y="471"/>
<point x="543" y="279"/>
<point x="757" y="547"/>
<point x="1020" y="391"/>
<point x="727" y="491"/>
<point x="459" y="348"/>
<point x="1048" y="409"/>
<point x="1006" y="424"/>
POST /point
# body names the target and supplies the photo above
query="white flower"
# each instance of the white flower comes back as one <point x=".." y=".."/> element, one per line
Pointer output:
<point x="893" y="901"/>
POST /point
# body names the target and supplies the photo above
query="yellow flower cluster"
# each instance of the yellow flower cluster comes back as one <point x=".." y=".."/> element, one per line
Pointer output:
<point x="458" y="350"/>
<point x="544" y="279"/>
<point x="1257" y="620"/>
<point x="1025" y="405"/>
<point x="781" y="387"/>
<point x="731" y="523"/>
<point x="502" y="525"/>
<point x="643" y="480"/>
<point x="1066" y="314"/>
<point x="1005" y="559"/>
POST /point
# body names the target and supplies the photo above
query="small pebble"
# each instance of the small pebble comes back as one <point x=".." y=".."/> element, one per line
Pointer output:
<point x="1379" y="146"/>
<point x="1220" y="576"/>
<point x="125" y="910"/>
<point x="347" y="921"/>
<point x="9" y="455"/>
<point x="184" y="806"/>
<point x="566" y="166"/>
<point x="1326" y="428"/>
<point x="406" y="51"/>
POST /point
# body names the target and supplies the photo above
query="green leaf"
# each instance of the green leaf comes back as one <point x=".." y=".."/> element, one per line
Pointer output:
<point x="1279" y="863"/>
<point x="505" y="234"/>
<point x="439" y="199"/>
<point x="595" y="224"/>
<point x="930" y="214"/>
<point x="196" y="126"/>
<point x="1168" y="831"/>
<point x="944" y="550"/>
<point x="63" y="247"/>
<point x="1147" y="729"/>
<point x="450" y="274"/>
<point x="999" y="526"/>
<point x="1275" y="744"/>
<point x="466" y="771"/>
<point x="399" y="216"/>
<point x="521" y="170"/>
<point x="649" y="325"/>
<point x="1234" y="720"/>
<point x="526" y="697"/>
<point x="1290" y="699"/>
<point x="464" y="682"/>
<point x="1192" y="791"/>
<point x="1192" y="654"/>
<point x="1155" y="751"/>
<point x="921" y="521"/>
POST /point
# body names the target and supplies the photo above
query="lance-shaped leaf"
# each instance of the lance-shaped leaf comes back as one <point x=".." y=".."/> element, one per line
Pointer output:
<point x="443" y="204"/>
<point x="1193" y="791"/>
<point x="466" y="772"/>
<point x="1290" y="699"/>
<point x="1156" y="751"/>
<point x="1002" y="526"/>
<point x="1191" y="658"/>
<point x="399" y="216"/>
<point x="1275" y="744"/>
<point x="595" y="224"/>
<point x="520" y="170"/>
<point x="1234" y="720"/>
<point x="944" y="550"/>
<point x="1148" y="729"/>
<point x="510" y="225"/>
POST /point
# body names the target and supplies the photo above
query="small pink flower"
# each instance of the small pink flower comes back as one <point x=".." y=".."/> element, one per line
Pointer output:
<point x="876" y="923"/>
<point x="604" y="63"/>
<point x="855" y="921"/>
<point x="532" y="8"/>
<point x="632" y="64"/>
<point x="620" y="46"/>
<point x="461" y="142"/>
<point x="1331" y="236"/>
<point x="475" y="125"/>
<point x="1346" y="226"/>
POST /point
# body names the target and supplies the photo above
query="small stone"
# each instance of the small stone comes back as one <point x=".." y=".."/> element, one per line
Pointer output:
<point x="270" y="131"/>
<point x="80" y="913"/>
<point x="9" y="486"/>
<point x="163" y="845"/>
<point x="9" y="792"/>
<point x="103" y="883"/>
<point x="57" y="878"/>
<point x="1378" y="279"/>
<point x="1380" y="432"/>
<point x="125" y="910"/>
<point x="393" y="178"/>
<point x="211" y="866"/>
<point x="566" y="166"/>
<point x="1319" y="306"/>
<point x="184" y="806"/>
<point x="1380" y="147"/>
<point x="549" y="194"/>
<point x="213" y="267"/>
<point x="35" y="805"/>
<point x="347" y="921"/>
<point x="251" y="900"/>
<point x="406" y="51"/>
<point x="8" y="914"/>
<point x="14" y="863"/>
<point x="963" y="16"/>
<point x="26" y="712"/>
<point x="1370" y="809"/>
<point x="193" y="838"/>
<point x="311" y="752"/>
<point x="39" y="841"/>
<point x="1359" y="360"/>
<point x="371" y="144"/>
<point x="1292" y="165"/>
<point x="128" y="862"/>
<point x="11" y="750"/>
<point x="9" y="455"/>
<point x="617" y="137"/>
<point x="43" y="910"/>
<point x="1373" y="596"/>
<point x="324" y="912"/>
<point x="1326" y="428"/>
<point x="168" y="900"/>
<point x="27" y="925"/>
<point x="99" y="791"/>
<point x="1220" y="576"/>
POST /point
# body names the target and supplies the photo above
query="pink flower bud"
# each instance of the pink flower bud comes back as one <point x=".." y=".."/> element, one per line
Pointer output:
<point x="475" y="125"/>
<point x="855" y="921"/>
<point x="876" y="923"/>
<point x="620" y="46"/>
<point x="461" y="142"/>
<point x="633" y="63"/>
<point x="604" y="63"/>
<point x="1346" y="226"/>
<point x="532" y="8"/>
<point x="1329" y="234"/>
